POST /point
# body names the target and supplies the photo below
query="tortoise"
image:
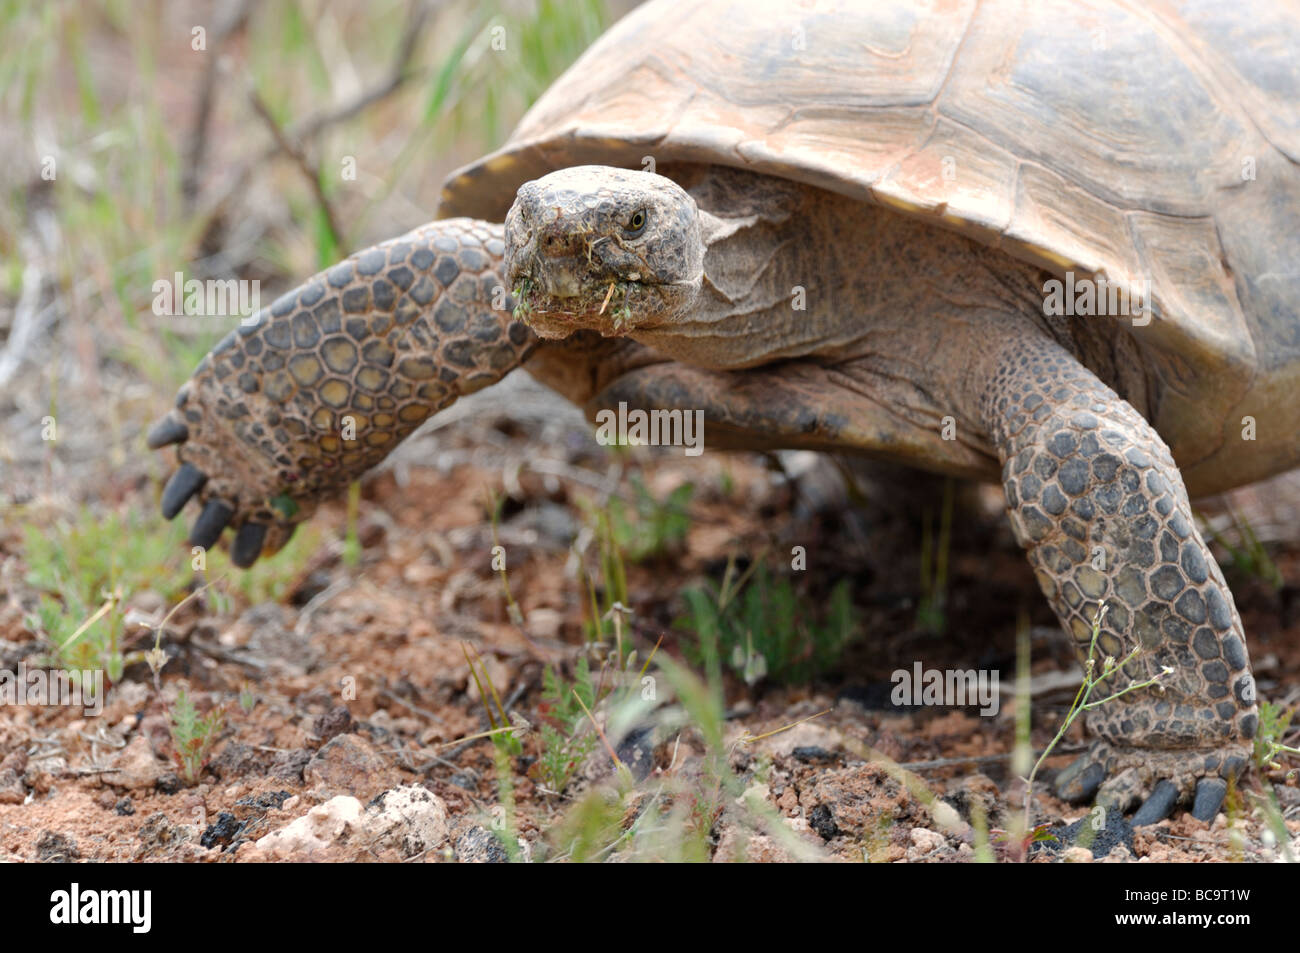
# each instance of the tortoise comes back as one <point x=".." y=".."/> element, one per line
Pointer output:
<point x="848" y="228"/>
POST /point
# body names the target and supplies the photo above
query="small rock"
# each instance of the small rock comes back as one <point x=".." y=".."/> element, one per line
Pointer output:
<point x="636" y="751"/>
<point x="739" y="845"/>
<point x="235" y="760"/>
<point x="1119" y="854"/>
<point x="15" y="762"/>
<point x="289" y="765"/>
<point x="126" y="700"/>
<point x="348" y="763"/>
<point x="135" y="767"/>
<point x="316" y="830"/>
<point x="268" y="634"/>
<point x="158" y="835"/>
<point x="221" y="831"/>
<point x="822" y="821"/>
<point x="42" y="773"/>
<point x="813" y="754"/>
<point x="409" y="819"/>
<point x="334" y="722"/>
<point x="12" y="789"/>
<point x="788" y="802"/>
<point x="54" y="848"/>
<point x="253" y="804"/>
<point x="926" y="840"/>
<point x="478" y="845"/>
<point x="1076" y="855"/>
<point x="125" y="807"/>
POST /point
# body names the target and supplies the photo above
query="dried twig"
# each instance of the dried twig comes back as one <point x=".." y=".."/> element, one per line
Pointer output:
<point x="197" y="145"/>
<point x="310" y="172"/>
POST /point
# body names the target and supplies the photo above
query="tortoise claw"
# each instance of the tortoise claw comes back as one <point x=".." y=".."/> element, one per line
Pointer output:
<point x="248" y="544"/>
<point x="1158" y="806"/>
<point x="207" y="528"/>
<point x="168" y="430"/>
<point x="1080" y="781"/>
<point x="1210" y="793"/>
<point x="184" y="483"/>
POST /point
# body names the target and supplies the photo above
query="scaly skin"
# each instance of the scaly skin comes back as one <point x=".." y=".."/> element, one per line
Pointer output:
<point x="1097" y="501"/>
<point x="293" y="406"/>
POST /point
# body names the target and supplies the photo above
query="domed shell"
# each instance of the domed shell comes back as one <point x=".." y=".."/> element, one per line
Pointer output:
<point x="1106" y="139"/>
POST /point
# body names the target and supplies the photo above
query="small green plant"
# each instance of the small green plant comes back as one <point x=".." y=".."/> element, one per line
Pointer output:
<point x="764" y="628"/>
<point x="1094" y="675"/>
<point x="505" y="825"/>
<point x="193" y="737"/>
<point x="648" y="528"/>
<point x="81" y="640"/>
<point x="89" y="553"/>
<point x="931" y="610"/>
<point x="505" y="731"/>
<point x="1248" y="556"/>
<point x="674" y="817"/>
<point x="268" y="580"/>
<point x="85" y="565"/>
<point x="1274" y="722"/>
<point x="494" y="503"/>
<point x="564" y="745"/>
<point x="352" y="538"/>
<point x="612" y="574"/>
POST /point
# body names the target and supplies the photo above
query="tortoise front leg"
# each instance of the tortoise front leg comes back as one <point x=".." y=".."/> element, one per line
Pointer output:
<point x="1098" y="503"/>
<point x="296" y="403"/>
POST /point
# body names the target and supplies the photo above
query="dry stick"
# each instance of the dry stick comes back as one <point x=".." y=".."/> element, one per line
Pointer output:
<point x="605" y="741"/>
<point x="310" y="172"/>
<point x="748" y="739"/>
<point x="399" y="75"/>
<point x="156" y="658"/>
<point x="197" y="146"/>
<point x="423" y="712"/>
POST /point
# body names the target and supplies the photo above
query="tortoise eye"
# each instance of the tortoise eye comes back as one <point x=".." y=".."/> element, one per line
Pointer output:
<point x="636" y="224"/>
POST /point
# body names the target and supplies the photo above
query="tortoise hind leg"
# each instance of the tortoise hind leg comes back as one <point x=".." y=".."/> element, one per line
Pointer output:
<point x="1098" y="503"/>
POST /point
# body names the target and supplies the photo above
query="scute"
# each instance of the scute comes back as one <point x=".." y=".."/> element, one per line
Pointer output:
<point x="1105" y="137"/>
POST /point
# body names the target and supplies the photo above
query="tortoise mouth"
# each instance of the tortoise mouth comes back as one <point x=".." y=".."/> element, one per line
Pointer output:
<point x="563" y="303"/>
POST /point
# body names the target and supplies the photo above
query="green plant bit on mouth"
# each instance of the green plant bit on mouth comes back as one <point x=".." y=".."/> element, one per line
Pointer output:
<point x="622" y="314"/>
<point x="522" y="308"/>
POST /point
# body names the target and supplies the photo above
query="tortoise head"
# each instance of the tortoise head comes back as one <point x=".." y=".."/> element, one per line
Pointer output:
<point x="604" y="249"/>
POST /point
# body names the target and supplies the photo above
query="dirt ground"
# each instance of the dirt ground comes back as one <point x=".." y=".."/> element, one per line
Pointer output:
<point x="344" y="701"/>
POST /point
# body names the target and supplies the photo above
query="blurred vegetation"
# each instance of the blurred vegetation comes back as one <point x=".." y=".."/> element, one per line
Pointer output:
<point x="763" y="627"/>
<point x="141" y="144"/>
<point x="111" y="92"/>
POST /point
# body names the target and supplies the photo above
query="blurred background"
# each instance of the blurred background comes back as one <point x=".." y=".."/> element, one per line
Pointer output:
<point x="222" y="140"/>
